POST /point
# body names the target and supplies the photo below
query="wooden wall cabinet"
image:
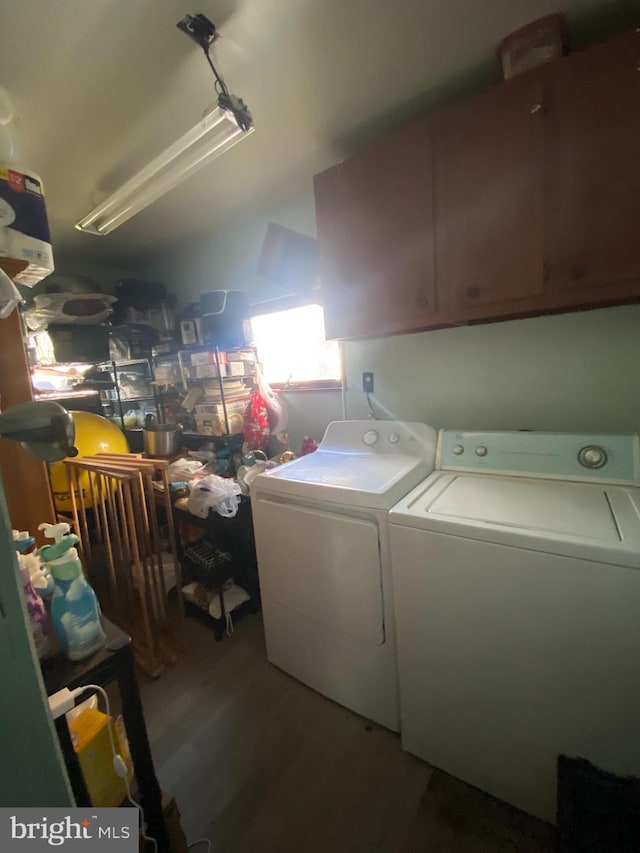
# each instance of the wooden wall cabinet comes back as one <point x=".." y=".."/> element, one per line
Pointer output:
<point x="520" y="201"/>
<point x="592" y="190"/>
<point x="489" y="168"/>
<point x="376" y="237"/>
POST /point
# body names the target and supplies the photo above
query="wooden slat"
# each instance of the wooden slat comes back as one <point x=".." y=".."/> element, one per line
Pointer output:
<point x="131" y="461"/>
<point x="126" y="525"/>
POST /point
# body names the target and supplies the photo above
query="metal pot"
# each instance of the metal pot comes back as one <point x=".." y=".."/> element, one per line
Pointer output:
<point x="162" y="440"/>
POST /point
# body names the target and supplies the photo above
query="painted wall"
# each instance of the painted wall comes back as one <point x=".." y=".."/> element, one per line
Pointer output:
<point x="567" y="372"/>
<point x="574" y="372"/>
<point x="309" y="414"/>
<point x="102" y="275"/>
<point x="228" y="258"/>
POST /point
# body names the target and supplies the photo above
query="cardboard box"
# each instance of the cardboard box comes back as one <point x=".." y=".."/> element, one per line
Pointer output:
<point x="207" y="358"/>
<point x="25" y="235"/>
<point x="210" y="371"/>
<point x="215" y="408"/>
<point x="166" y="371"/>
<point x="91" y="742"/>
<point x="211" y="425"/>
<point x="202" y="358"/>
<point x="209" y="417"/>
<point x="241" y="368"/>
<point x="177" y="839"/>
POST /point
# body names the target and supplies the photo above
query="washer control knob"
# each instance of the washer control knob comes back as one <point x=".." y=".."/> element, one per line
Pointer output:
<point x="592" y="456"/>
<point x="481" y="450"/>
<point x="370" y="436"/>
<point x="394" y="438"/>
<point x="458" y="449"/>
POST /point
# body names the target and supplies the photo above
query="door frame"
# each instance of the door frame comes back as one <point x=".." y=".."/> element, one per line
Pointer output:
<point x="28" y="740"/>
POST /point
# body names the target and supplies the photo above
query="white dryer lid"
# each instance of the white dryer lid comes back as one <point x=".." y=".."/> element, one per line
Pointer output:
<point x="368" y="481"/>
<point x="592" y="521"/>
<point x="360" y="463"/>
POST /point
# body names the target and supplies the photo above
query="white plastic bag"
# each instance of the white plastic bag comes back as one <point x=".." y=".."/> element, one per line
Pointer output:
<point x="84" y="309"/>
<point x="183" y="470"/>
<point x="9" y="296"/>
<point x="219" y="493"/>
<point x="276" y="406"/>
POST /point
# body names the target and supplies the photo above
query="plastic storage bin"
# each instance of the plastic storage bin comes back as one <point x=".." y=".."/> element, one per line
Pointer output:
<point x="534" y="44"/>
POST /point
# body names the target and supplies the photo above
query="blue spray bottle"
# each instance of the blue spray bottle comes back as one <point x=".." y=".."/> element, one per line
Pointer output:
<point x="74" y="607"/>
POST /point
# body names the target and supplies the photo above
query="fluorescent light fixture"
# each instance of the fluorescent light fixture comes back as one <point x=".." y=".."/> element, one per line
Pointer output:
<point x="213" y="135"/>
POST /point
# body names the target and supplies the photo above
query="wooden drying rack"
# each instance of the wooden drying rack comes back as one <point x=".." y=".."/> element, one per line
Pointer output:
<point x="123" y="552"/>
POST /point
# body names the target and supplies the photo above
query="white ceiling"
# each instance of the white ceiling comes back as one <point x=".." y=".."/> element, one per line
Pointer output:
<point x="101" y="86"/>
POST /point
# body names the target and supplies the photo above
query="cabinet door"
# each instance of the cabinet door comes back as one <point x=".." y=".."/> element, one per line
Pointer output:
<point x="375" y="237"/>
<point x="489" y="156"/>
<point x="593" y="186"/>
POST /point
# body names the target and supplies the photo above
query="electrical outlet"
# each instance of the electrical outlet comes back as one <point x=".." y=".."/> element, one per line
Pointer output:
<point x="367" y="382"/>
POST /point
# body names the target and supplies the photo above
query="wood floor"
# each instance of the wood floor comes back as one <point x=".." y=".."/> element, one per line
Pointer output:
<point x="259" y="762"/>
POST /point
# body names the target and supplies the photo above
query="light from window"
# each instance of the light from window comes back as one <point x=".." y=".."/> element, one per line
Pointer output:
<point x="292" y="348"/>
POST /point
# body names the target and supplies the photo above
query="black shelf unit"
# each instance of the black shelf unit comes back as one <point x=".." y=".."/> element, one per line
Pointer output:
<point x="190" y="381"/>
<point x="236" y="537"/>
<point x="115" y="662"/>
<point x="119" y="402"/>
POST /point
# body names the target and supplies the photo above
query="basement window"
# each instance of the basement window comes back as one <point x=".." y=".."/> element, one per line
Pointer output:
<point x="293" y="351"/>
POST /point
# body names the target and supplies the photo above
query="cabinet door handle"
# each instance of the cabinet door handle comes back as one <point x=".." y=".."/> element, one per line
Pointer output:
<point x="422" y="300"/>
<point x="473" y="292"/>
<point x="578" y="271"/>
<point x="536" y="108"/>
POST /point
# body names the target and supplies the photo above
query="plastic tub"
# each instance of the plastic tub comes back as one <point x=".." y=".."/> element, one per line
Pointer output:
<point x="534" y="44"/>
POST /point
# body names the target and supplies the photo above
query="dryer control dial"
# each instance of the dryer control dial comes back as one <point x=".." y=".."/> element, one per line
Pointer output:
<point x="481" y="450"/>
<point x="394" y="437"/>
<point x="370" y="436"/>
<point x="592" y="456"/>
<point x="458" y="449"/>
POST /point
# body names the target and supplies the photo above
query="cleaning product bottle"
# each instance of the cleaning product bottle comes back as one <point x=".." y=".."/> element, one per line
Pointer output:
<point x="74" y="606"/>
<point x="27" y="560"/>
<point x="39" y="574"/>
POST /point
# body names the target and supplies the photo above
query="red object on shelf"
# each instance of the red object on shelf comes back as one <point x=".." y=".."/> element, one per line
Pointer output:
<point x="308" y="446"/>
<point x="256" y="422"/>
<point x="534" y="44"/>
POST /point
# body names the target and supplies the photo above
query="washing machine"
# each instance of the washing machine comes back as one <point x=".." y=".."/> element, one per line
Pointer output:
<point x="516" y="573"/>
<point x="322" y="542"/>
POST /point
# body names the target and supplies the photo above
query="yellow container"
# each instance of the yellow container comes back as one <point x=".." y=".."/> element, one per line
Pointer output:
<point x="90" y="738"/>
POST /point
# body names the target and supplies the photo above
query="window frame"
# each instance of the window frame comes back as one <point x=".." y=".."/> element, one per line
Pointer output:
<point x="309" y="385"/>
<point x="289" y="304"/>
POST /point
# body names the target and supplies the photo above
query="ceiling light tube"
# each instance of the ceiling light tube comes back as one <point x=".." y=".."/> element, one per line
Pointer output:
<point x="216" y="133"/>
